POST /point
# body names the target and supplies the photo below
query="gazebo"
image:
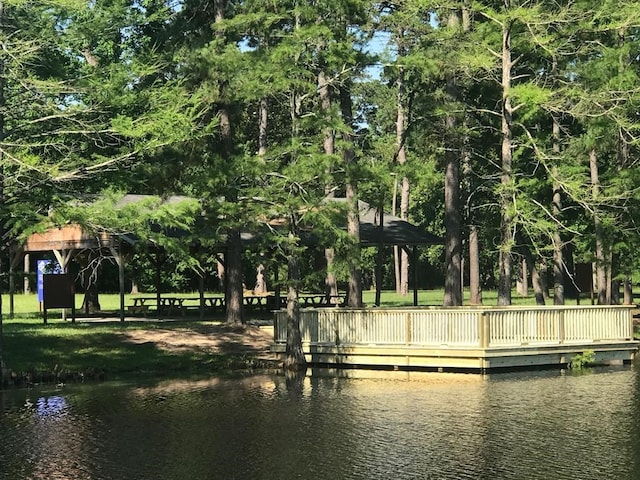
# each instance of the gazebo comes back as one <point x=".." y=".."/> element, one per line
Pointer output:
<point x="379" y="229"/>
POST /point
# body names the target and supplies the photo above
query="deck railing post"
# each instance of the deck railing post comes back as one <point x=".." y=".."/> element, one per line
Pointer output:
<point x="407" y="328"/>
<point x="484" y="329"/>
<point x="561" y="327"/>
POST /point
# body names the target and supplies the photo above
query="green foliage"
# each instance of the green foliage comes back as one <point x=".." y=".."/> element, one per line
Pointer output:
<point x="582" y="360"/>
<point x="115" y="96"/>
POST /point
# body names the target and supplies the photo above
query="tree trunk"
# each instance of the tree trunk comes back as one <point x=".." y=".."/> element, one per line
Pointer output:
<point x="615" y="292"/>
<point x="262" y="127"/>
<point x="556" y="209"/>
<point x="403" y="252"/>
<point x="135" y="290"/>
<point x="234" y="289"/>
<point x="89" y="268"/>
<point x="475" y="289"/>
<point x="396" y="249"/>
<point x="538" y="285"/>
<point x="233" y="258"/>
<point x="558" y="245"/>
<point x="328" y="145"/>
<point x="2" y="198"/>
<point x="537" y="277"/>
<point x="601" y="272"/>
<point x="401" y="257"/>
<point x="506" y="179"/>
<point x="453" y="235"/>
<point x="609" y="280"/>
<point x="523" y="283"/>
<point x="91" y="301"/>
<point x="628" y="291"/>
<point x="622" y="267"/>
<point x="354" y="294"/>
<point x="294" y="355"/>
<point x="453" y="243"/>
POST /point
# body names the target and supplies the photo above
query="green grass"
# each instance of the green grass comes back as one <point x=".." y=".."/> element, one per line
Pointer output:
<point x="434" y="298"/>
<point x="27" y="305"/>
<point x="63" y="350"/>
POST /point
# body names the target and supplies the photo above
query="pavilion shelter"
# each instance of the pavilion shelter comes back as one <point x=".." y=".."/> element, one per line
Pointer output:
<point x="377" y="229"/>
<point x="67" y="241"/>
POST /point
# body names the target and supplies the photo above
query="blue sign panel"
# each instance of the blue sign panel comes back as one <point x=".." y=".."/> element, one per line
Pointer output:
<point x="45" y="266"/>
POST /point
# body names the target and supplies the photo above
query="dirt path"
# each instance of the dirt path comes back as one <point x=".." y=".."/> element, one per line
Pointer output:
<point x="212" y="337"/>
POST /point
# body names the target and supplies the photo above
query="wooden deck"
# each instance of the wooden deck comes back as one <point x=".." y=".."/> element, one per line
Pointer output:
<point x="480" y="339"/>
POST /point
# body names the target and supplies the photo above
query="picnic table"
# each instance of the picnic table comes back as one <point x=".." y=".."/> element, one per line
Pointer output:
<point x="174" y="305"/>
<point x="257" y="301"/>
<point x="209" y="303"/>
<point x="213" y="302"/>
<point x="166" y="305"/>
<point x="320" y="300"/>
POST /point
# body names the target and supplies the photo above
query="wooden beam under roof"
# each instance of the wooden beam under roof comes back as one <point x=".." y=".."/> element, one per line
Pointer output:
<point x="68" y="237"/>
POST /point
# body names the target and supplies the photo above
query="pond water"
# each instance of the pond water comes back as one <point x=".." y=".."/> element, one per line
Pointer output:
<point x="534" y="425"/>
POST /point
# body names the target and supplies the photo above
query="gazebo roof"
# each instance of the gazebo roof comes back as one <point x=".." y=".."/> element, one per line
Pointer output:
<point x="74" y="237"/>
<point x="395" y="231"/>
<point x="67" y="237"/>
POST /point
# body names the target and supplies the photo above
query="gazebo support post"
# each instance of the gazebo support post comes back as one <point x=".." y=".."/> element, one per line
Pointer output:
<point x="25" y="278"/>
<point x="276" y="282"/>
<point x="158" y="262"/>
<point x="119" y="258"/>
<point x="415" y="275"/>
<point x="379" y="256"/>
<point x="201" y="293"/>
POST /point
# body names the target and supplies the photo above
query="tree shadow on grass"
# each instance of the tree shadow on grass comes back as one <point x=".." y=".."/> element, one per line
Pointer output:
<point x="151" y="348"/>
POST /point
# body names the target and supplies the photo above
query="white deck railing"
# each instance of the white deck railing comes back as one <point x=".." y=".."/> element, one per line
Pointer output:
<point x="481" y="327"/>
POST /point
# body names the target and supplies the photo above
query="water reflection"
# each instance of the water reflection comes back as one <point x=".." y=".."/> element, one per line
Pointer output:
<point x="50" y="406"/>
<point x="401" y="425"/>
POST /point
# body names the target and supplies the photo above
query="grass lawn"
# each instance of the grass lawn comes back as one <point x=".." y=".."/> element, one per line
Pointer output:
<point x="64" y="350"/>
